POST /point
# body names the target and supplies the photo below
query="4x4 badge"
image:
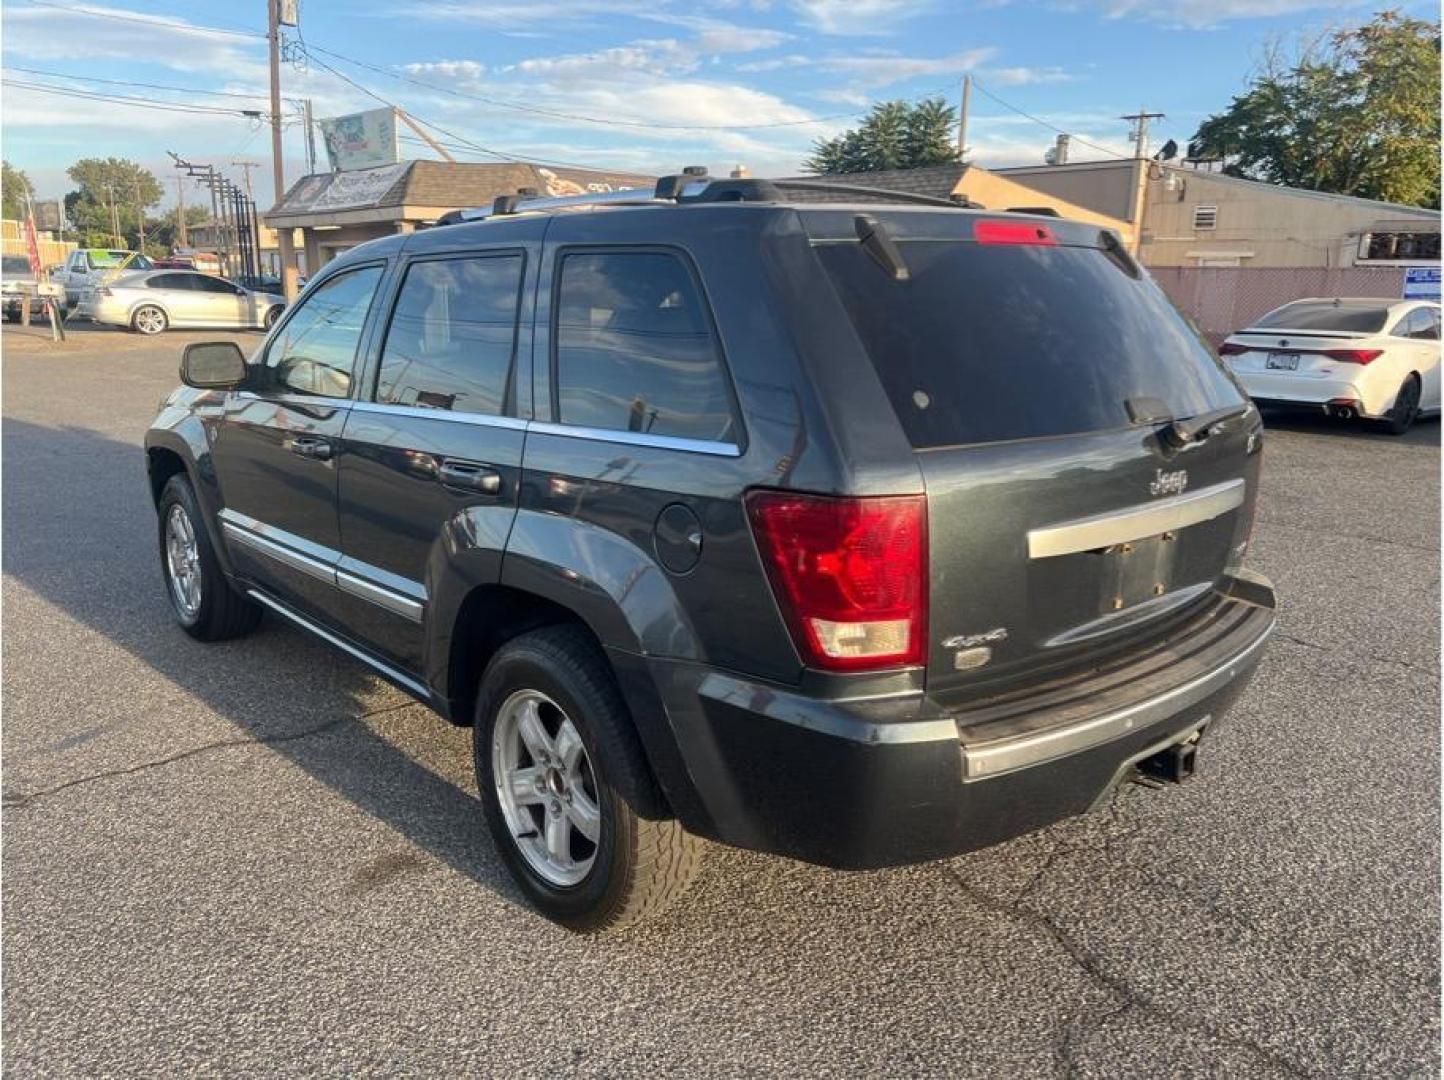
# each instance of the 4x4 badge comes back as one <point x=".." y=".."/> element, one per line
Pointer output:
<point x="1169" y="483"/>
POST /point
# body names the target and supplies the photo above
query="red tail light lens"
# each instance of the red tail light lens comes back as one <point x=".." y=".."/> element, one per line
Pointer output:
<point x="1013" y="232"/>
<point x="1228" y="348"/>
<point x="850" y="575"/>
<point x="1354" y="356"/>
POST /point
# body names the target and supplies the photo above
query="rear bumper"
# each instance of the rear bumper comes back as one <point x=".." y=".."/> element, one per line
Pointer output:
<point x="863" y="784"/>
<point x="1305" y="391"/>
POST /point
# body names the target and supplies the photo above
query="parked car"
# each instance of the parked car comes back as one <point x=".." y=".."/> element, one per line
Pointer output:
<point x="16" y="284"/>
<point x="156" y="300"/>
<point x="88" y="267"/>
<point x="1350" y="357"/>
<point x="861" y="534"/>
<point x="174" y="264"/>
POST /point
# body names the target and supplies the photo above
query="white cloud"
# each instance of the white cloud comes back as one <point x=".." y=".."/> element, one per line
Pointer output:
<point x="859" y="16"/>
<point x="451" y="69"/>
<point x="872" y="71"/>
<point x="85" y="34"/>
<point x="1204" y="14"/>
<point x="1025" y="76"/>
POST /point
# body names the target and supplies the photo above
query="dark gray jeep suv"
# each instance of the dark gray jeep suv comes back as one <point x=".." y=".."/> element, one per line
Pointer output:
<point x="854" y="531"/>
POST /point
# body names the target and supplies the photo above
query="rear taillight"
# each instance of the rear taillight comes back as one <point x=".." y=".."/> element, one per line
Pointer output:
<point x="850" y="575"/>
<point x="1354" y="356"/>
<point x="1229" y="348"/>
<point x="1013" y="232"/>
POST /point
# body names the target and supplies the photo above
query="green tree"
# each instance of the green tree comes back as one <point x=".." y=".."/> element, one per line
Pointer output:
<point x="164" y="233"/>
<point x="894" y="135"/>
<point x="1356" y="113"/>
<point x="14" y="186"/>
<point x="103" y="183"/>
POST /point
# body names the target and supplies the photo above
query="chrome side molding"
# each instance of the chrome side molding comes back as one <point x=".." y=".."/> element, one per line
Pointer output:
<point x="1135" y="522"/>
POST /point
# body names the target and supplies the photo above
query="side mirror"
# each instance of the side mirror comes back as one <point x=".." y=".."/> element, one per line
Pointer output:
<point x="213" y="365"/>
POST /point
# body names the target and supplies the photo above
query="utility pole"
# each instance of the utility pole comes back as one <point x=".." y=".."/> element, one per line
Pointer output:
<point x="1140" y="130"/>
<point x="278" y="167"/>
<point x="180" y="199"/>
<point x="114" y="216"/>
<point x="310" y="137"/>
<point x="246" y="167"/>
<point x="963" y="116"/>
<point x="139" y="217"/>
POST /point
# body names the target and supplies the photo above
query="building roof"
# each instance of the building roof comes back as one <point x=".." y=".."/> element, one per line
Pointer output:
<point x="937" y="181"/>
<point x="446" y="185"/>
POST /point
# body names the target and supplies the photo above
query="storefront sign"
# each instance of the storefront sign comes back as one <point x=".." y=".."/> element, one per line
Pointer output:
<point x="1421" y="283"/>
<point x="361" y="140"/>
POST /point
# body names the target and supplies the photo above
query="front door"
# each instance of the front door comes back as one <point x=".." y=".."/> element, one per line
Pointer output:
<point x="275" y="453"/>
<point x="431" y="463"/>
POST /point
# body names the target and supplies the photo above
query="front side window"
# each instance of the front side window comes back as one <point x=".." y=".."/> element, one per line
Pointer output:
<point x="453" y="335"/>
<point x="635" y="349"/>
<point x="315" y="352"/>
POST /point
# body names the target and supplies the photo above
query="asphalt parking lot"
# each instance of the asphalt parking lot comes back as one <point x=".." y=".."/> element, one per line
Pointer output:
<point x="259" y="859"/>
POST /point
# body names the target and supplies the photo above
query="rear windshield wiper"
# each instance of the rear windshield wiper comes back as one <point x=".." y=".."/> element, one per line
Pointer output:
<point x="1180" y="433"/>
<point x="879" y="245"/>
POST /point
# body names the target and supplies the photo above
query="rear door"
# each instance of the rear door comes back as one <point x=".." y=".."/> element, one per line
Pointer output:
<point x="1033" y="367"/>
<point x="431" y="458"/>
<point x="218" y="302"/>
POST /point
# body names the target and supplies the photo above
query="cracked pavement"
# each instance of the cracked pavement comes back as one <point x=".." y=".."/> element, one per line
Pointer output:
<point x="258" y="859"/>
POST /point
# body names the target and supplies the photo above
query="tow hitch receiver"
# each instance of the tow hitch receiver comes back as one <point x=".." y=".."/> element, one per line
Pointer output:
<point x="1173" y="764"/>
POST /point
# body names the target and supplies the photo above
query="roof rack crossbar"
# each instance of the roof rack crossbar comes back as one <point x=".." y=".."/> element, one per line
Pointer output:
<point x="880" y="193"/>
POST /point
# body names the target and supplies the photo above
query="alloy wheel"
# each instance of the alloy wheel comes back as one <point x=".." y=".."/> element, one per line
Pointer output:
<point x="150" y="320"/>
<point x="183" y="562"/>
<point x="546" y="787"/>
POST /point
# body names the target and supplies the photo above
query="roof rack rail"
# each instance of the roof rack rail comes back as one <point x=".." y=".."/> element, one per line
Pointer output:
<point x="691" y="185"/>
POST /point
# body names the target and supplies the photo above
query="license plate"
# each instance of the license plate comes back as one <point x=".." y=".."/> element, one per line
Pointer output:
<point x="1282" y="361"/>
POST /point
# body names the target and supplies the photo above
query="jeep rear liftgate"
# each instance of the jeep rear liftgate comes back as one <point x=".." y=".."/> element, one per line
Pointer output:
<point x="1039" y="383"/>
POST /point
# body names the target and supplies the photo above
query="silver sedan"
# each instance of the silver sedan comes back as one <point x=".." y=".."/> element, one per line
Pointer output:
<point x="150" y="301"/>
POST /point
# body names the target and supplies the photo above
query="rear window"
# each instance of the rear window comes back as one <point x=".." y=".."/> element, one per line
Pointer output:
<point x="1329" y="315"/>
<point x="991" y="343"/>
<point x="16" y="264"/>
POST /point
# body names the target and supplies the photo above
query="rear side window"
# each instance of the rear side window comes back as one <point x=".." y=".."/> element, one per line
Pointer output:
<point x="453" y="335"/>
<point x="1327" y="315"/>
<point x="171" y="281"/>
<point x="985" y="343"/>
<point x="635" y="349"/>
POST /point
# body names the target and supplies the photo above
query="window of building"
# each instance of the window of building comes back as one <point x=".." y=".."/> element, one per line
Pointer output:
<point x="315" y="351"/>
<point x="453" y="335"/>
<point x="1205" y="217"/>
<point x="635" y="349"/>
<point x="1399" y="247"/>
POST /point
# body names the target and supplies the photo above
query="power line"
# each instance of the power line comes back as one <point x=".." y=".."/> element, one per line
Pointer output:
<point x="152" y="21"/>
<point x="139" y="85"/>
<point x="1051" y="127"/>
<point x="138" y="103"/>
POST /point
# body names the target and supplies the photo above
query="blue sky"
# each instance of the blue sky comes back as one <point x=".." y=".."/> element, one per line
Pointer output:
<point x="648" y="85"/>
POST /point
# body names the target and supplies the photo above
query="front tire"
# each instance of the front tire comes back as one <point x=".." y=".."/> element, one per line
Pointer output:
<point x="1405" y="408"/>
<point x="205" y="604"/>
<point x="554" y="747"/>
<point x="149" y="319"/>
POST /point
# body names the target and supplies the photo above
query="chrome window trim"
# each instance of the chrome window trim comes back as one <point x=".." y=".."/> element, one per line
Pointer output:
<point x="340" y="643"/>
<point x="380" y="596"/>
<point x="1135" y="522"/>
<point x="479" y="419"/>
<point x="637" y="438"/>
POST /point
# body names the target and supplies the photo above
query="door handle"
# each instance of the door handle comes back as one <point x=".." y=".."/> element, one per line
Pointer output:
<point x="471" y="476"/>
<point x="310" y="446"/>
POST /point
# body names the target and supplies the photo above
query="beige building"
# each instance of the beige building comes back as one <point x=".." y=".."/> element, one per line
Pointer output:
<point x="334" y="212"/>
<point x="1192" y="218"/>
<point x="980" y="187"/>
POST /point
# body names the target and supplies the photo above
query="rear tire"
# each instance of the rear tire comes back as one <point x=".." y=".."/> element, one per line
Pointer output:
<point x="1405" y="409"/>
<point x="570" y="774"/>
<point x="149" y="319"/>
<point x="205" y="603"/>
<point x="272" y="315"/>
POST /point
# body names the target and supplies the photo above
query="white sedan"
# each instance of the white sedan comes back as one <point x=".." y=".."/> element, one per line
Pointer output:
<point x="1378" y="359"/>
<point x="154" y="300"/>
